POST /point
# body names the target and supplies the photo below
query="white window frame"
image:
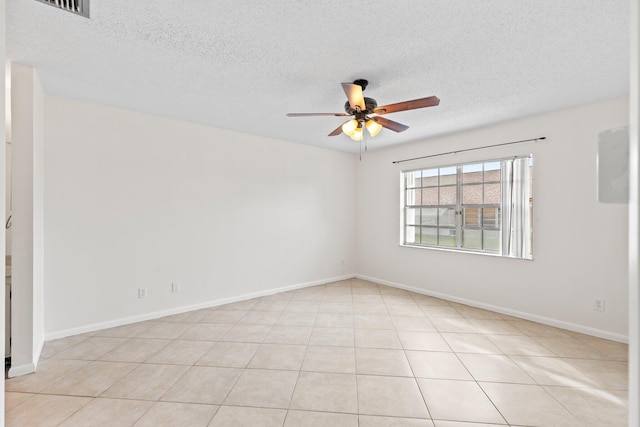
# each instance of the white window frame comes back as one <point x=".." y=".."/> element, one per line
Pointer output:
<point x="514" y="227"/>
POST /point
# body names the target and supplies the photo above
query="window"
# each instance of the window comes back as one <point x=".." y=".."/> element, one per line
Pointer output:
<point x="481" y="207"/>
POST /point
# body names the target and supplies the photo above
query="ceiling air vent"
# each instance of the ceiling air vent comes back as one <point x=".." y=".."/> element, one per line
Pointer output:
<point x="79" y="7"/>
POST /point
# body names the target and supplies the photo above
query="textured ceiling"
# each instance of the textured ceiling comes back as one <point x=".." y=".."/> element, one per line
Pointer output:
<point x="244" y="64"/>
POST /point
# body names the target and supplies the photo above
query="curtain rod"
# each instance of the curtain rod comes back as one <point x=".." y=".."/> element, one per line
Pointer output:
<point x="470" y="149"/>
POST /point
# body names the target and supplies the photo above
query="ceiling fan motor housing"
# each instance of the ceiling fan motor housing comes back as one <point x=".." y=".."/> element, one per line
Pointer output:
<point x="369" y="105"/>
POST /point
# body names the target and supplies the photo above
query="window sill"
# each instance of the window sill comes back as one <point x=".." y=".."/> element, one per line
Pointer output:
<point x="464" y="251"/>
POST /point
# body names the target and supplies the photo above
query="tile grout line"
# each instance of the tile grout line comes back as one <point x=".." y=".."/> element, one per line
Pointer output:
<point x="355" y="364"/>
<point x="472" y="376"/>
<point x="293" y="392"/>
<point x="386" y="302"/>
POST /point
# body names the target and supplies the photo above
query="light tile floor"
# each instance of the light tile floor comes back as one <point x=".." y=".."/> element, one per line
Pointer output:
<point x="350" y="353"/>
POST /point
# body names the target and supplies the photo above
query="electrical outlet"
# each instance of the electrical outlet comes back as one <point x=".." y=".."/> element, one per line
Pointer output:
<point x="175" y="287"/>
<point x="142" y="292"/>
<point x="599" y="304"/>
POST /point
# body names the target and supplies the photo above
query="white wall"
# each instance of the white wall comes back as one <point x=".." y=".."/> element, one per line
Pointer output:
<point x="7" y="133"/>
<point x="38" y="217"/>
<point x="7" y="231"/>
<point x="27" y="322"/>
<point x="634" y="218"/>
<point x="580" y="245"/>
<point x="135" y="201"/>
<point x="2" y="182"/>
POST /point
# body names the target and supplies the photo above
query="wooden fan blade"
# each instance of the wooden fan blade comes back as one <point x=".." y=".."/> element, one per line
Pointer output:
<point x="390" y="124"/>
<point x="338" y="130"/>
<point x="354" y="94"/>
<point x="430" y="101"/>
<point x="316" y="114"/>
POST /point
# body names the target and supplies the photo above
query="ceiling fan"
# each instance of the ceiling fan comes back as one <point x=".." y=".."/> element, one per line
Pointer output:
<point x="367" y="114"/>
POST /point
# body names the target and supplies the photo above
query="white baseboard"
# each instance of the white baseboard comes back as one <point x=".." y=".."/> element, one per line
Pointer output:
<point x="155" y="315"/>
<point x="522" y="315"/>
<point x="27" y="368"/>
<point x="38" y="352"/>
<point x="16" y="371"/>
<point x="177" y="310"/>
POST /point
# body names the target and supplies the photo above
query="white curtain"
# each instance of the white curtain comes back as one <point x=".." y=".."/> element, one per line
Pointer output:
<point x="516" y="220"/>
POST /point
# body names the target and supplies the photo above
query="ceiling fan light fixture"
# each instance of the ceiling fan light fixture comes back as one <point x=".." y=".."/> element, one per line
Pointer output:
<point x="350" y="127"/>
<point x="357" y="134"/>
<point x="373" y="127"/>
